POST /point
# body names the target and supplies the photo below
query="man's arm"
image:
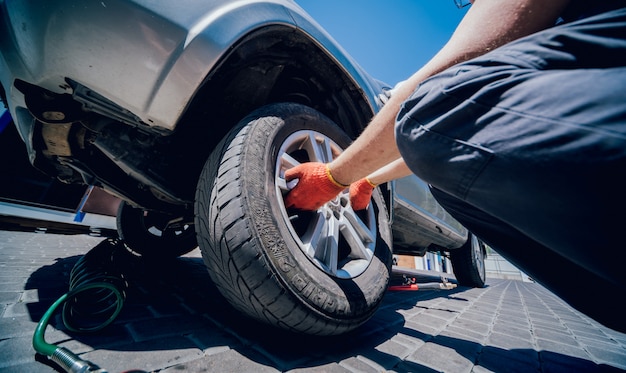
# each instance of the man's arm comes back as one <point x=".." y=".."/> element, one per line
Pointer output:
<point x="487" y="25"/>
<point x="391" y="171"/>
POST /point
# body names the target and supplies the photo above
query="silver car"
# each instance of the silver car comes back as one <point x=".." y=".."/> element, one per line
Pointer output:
<point x="190" y="113"/>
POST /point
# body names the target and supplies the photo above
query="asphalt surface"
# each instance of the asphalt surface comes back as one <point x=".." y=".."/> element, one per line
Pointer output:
<point x="174" y="320"/>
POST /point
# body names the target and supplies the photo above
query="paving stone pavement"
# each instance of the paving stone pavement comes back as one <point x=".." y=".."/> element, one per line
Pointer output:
<point x="174" y="320"/>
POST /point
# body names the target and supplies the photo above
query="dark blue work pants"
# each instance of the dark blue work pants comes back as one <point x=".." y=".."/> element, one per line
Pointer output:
<point x="526" y="146"/>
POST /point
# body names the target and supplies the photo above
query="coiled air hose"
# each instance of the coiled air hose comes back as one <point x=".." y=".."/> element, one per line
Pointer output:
<point x="96" y="294"/>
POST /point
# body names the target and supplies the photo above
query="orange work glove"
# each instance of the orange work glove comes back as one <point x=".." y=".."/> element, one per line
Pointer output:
<point x="315" y="187"/>
<point x="361" y="193"/>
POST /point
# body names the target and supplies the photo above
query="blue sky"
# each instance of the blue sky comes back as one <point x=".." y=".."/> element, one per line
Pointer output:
<point x="390" y="39"/>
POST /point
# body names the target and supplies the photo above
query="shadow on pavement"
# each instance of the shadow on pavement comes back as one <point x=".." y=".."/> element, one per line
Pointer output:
<point x="175" y="306"/>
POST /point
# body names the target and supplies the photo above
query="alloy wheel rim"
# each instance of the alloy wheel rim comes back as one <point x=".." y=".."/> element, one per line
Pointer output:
<point x="338" y="240"/>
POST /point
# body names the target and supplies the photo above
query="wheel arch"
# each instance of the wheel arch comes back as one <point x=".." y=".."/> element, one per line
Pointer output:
<point x="278" y="63"/>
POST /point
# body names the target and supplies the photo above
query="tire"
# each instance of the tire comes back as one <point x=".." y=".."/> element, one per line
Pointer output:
<point x="154" y="235"/>
<point x="468" y="263"/>
<point x="262" y="256"/>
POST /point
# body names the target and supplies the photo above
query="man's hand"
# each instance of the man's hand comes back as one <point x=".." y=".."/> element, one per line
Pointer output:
<point x="361" y="193"/>
<point x="316" y="186"/>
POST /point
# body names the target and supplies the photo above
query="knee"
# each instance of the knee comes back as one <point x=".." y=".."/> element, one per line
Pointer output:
<point x="424" y="110"/>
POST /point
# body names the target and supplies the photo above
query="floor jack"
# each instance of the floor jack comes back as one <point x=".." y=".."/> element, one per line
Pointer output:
<point x="408" y="282"/>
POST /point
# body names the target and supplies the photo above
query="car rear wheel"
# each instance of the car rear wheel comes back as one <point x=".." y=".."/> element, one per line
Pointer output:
<point x="154" y="235"/>
<point x="468" y="263"/>
<point x="323" y="272"/>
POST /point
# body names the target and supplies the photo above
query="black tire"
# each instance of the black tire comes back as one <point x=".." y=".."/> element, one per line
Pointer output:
<point x="254" y="248"/>
<point x="154" y="235"/>
<point x="468" y="263"/>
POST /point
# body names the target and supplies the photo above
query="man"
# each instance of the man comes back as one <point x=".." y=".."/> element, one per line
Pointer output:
<point x="519" y="126"/>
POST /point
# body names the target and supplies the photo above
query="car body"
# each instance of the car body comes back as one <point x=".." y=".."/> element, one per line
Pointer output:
<point x="189" y="113"/>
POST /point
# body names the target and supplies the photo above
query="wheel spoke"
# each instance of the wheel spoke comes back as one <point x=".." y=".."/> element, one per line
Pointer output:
<point x="328" y="251"/>
<point x="358" y="235"/>
<point x="285" y="162"/>
<point x="327" y="150"/>
<point x="314" y="237"/>
<point x="319" y="148"/>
